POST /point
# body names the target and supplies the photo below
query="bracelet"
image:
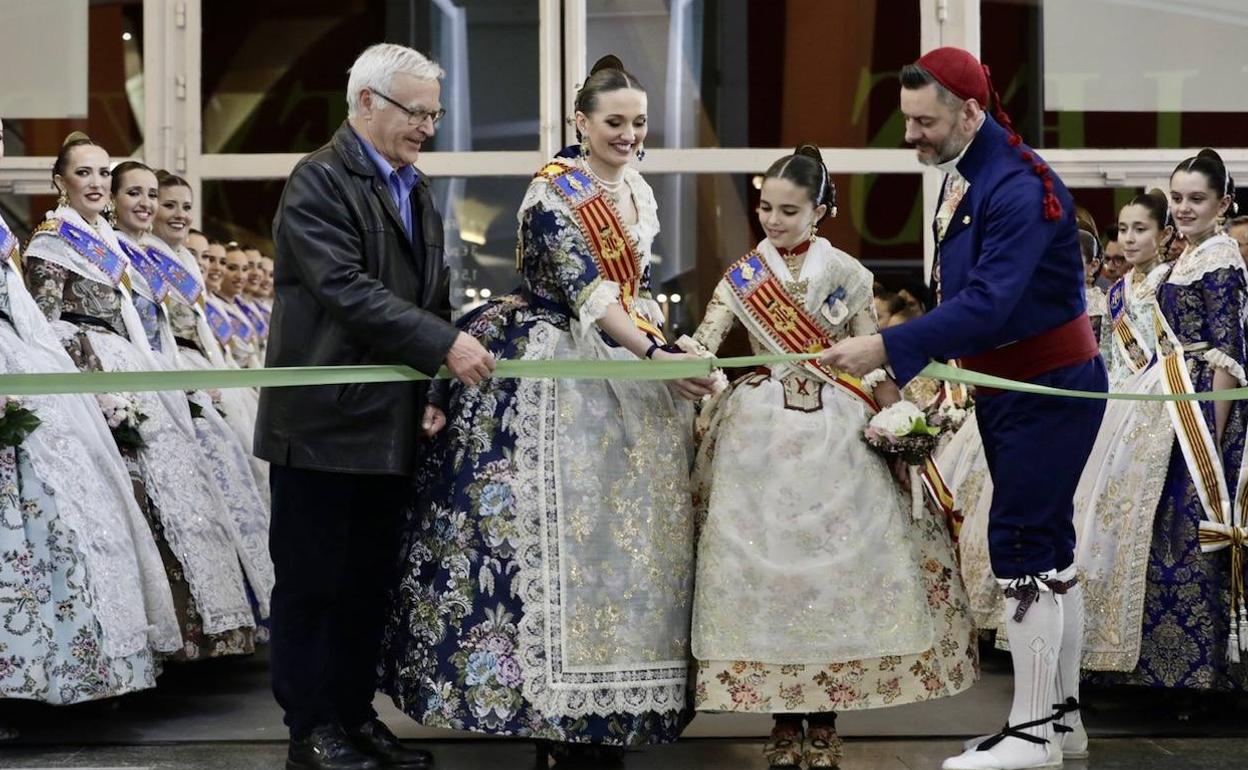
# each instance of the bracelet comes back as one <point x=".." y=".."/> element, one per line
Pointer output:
<point x="653" y="347"/>
<point x="873" y="378"/>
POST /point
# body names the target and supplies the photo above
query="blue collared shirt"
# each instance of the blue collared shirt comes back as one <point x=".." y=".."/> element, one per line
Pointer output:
<point x="400" y="181"/>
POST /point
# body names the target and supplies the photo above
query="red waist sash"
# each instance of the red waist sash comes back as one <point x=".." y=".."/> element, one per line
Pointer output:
<point x="1066" y="345"/>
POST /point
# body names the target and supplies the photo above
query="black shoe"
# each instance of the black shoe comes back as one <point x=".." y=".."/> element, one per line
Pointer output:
<point x="375" y="739"/>
<point x="576" y="756"/>
<point x="327" y="748"/>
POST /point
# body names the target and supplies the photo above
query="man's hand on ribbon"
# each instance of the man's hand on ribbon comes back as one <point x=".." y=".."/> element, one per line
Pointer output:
<point x="856" y="355"/>
<point x="468" y="361"/>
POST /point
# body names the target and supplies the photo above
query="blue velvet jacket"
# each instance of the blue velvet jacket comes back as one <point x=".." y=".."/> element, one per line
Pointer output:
<point x="1006" y="272"/>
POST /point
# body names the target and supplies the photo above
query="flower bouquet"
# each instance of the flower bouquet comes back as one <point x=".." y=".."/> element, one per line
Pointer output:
<point x="947" y="416"/>
<point x="16" y="421"/>
<point x="122" y="414"/>
<point x="903" y="432"/>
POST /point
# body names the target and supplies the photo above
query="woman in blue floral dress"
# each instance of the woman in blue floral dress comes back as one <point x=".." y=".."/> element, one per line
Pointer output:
<point x="84" y="604"/>
<point x="1189" y="640"/>
<point x="547" y="576"/>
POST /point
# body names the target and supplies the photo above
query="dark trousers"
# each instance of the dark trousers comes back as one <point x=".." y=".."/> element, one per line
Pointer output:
<point x="334" y="542"/>
<point x="1036" y="447"/>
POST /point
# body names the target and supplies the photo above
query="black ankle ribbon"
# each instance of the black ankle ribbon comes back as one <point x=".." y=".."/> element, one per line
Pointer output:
<point x="1015" y="731"/>
<point x="1061" y="710"/>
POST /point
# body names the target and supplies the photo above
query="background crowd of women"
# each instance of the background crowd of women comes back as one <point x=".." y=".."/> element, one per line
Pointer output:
<point x="134" y="526"/>
<point x="581" y="567"/>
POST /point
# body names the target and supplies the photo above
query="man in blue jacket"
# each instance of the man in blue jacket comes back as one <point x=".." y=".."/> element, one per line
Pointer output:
<point x="1008" y="282"/>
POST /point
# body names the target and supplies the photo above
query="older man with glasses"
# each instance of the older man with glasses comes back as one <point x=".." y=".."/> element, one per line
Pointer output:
<point x="360" y="279"/>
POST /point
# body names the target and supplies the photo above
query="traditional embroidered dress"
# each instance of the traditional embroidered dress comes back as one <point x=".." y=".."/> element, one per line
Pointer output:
<point x="244" y="343"/>
<point x="79" y="278"/>
<point x="198" y="348"/>
<point x="224" y="456"/>
<point x="257" y="320"/>
<point x="547" y="583"/>
<point x="221" y="323"/>
<point x="1191" y="564"/>
<point x="85" y="599"/>
<point x="815" y="591"/>
<point x="1117" y="497"/>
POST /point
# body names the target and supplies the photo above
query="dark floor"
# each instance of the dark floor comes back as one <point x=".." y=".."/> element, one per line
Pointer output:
<point x="219" y="714"/>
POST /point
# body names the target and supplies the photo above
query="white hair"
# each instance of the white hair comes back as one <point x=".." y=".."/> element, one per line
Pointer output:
<point x="376" y="67"/>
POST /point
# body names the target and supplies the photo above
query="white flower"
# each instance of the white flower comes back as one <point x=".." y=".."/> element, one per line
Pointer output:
<point x="954" y="414"/>
<point x="897" y="419"/>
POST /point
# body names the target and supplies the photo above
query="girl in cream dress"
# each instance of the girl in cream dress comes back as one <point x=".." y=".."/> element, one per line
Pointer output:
<point x="817" y="591"/>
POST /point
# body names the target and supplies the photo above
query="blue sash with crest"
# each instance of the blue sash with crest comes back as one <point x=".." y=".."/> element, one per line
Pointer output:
<point x="254" y="316"/>
<point x="239" y="328"/>
<point x="93" y="249"/>
<point x="8" y="241"/>
<point x="148" y="268"/>
<point x="219" y="322"/>
<point x="177" y="277"/>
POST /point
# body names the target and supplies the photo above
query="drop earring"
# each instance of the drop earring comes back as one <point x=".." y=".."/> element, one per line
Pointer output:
<point x="641" y="152"/>
<point x="63" y="198"/>
<point x="584" y="149"/>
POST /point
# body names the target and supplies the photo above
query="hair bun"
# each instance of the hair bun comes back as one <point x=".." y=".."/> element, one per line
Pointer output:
<point x="809" y="150"/>
<point x="608" y="62"/>
<point x="1211" y="154"/>
<point x="75" y="136"/>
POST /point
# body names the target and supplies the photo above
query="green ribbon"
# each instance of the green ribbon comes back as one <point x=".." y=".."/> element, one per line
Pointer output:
<point x="202" y="379"/>
<point x="966" y="377"/>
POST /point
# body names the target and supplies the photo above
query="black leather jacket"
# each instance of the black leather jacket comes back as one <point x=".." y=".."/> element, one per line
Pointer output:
<point x="352" y="289"/>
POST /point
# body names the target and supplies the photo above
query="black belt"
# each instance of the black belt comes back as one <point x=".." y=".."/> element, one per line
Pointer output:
<point x="80" y="319"/>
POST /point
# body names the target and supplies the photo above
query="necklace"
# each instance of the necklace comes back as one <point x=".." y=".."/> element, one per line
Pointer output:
<point x="795" y="257"/>
<point x="611" y="187"/>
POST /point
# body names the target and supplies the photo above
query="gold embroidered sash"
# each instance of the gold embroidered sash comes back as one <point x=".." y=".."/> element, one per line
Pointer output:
<point x="613" y="250"/>
<point x="1126" y="338"/>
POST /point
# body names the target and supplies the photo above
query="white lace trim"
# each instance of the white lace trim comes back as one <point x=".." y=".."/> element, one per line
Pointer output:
<point x="1219" y="360"/>
<point x="94" y="495"/>
<point x="556" y="692"/>
<point x="647" y="226"/>
<point x="188" y="502"/>
<point x="1217" y="253"/>
<point x="249" y="512"/>
<point x="649" y="310"/>
<point x="600" y="299"/>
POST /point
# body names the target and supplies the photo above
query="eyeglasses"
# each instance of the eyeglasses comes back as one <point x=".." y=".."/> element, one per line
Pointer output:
<point x="417" y="116"/>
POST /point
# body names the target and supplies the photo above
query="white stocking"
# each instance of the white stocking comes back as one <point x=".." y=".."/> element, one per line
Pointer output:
<point x="1035" y="639"/>
<point x="1075" y="742"/>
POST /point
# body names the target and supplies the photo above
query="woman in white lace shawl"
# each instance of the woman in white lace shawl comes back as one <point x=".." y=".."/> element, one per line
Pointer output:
<point x="157" y="293"/>
<point x="83" y="595"/>
<point x="81" y="280"/>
